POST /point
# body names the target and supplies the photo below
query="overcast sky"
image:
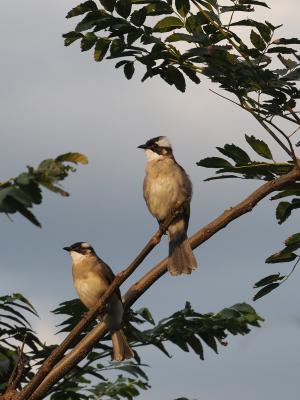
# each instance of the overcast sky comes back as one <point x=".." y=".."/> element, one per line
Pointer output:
<point x="55" y="100"/>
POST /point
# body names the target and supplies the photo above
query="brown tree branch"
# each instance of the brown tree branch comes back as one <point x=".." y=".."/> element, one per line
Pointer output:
<point x="59" y="351"/>
<point x="136" y="290"/>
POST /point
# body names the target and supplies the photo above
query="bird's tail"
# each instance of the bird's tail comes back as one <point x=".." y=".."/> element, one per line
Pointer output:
<point x="181" y="257"/>
<point x="121" y="349"/>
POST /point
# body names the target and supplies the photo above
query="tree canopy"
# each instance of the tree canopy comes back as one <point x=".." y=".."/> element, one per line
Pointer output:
<point x="258" y="71"/>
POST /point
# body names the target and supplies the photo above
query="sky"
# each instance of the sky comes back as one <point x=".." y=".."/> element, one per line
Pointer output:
<point x="55" y="100"/>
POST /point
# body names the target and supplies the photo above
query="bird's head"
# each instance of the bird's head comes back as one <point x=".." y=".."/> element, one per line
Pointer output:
<point x="79" y="250"/>
<point x="157" y="148"/>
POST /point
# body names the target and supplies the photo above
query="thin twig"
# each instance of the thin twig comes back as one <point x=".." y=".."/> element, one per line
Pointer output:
<point x="16" y="375"/>
<point x="297" y="119"/>
<point x="268" y="129"/>
<point x="226" y="98"/>
<point x="286" y="137"/>
<point x="296" y="130"/>
<point x="136" y="290"/>
<point x="59" y="351"/>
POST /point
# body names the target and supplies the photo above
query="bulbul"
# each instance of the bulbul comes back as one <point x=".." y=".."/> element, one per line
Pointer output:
<point x="91" y="278"/>
<point x="166" y="183"/>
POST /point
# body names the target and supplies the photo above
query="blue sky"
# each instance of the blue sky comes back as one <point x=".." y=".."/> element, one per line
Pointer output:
<point x="56" y="100"/>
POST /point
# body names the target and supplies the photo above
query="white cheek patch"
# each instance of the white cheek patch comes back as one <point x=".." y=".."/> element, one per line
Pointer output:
<point x="77" y="257"/>
<point x="164" y="142"/>
<point x="152" y="156"/>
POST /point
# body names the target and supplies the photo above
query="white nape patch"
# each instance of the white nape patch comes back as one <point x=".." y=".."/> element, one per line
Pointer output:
<point x="152" y="156"/>
<point x="164" y="142"/>
<point x="86" y="245"/>
<point x="77" y="257"/>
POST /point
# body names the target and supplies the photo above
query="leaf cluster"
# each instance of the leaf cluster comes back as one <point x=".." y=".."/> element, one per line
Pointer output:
<point x="184" y="38"/>
<point x="287" y="254"/>
<point x="14" y="329"/>
<point x="186" y="328"/>
<point x="190" y="330"/>
<point x="21" y="193"/>
<point x="239" y="164"/>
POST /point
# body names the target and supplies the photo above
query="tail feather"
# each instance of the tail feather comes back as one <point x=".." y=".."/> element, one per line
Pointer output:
<point x="121" y="349"/>
<point x="181" y="257"/>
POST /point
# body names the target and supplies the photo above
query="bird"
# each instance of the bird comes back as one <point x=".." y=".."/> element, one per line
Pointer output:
<point x="91" y="278"/>
<point x="166" y="184"/>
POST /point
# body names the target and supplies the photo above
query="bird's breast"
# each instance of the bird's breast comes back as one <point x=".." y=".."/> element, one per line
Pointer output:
<point x="162" y="189"/>
<point x="90" y="288"/>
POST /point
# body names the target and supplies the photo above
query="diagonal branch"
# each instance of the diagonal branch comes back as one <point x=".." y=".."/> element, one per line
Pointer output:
<point x="136" y="290"/>
<point x="59" y="351"/>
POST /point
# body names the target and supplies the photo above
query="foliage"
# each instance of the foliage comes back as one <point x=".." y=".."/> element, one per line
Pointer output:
<point x="14" y="329"/>
<point x="184" y="38"/>
<point x="21" y="193"/>
<point x="245" y="168"/>
<point x="187" y="329"/>
<point x="287" y="254"/>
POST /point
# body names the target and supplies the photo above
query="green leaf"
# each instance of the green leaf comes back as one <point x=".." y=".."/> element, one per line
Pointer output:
<point x="73" y="157"/>
<point x="292" y="190"/>
<point x="176" y="37"/>
<point x="88" y="41"/>
<point x="90" y="20"/>
<point x="268" y="279"/>
<point x="293" y="241"/>
<point x="117" y="47"/>
<point x="123" y="8"/>
<point x="101" y="48"/>
<point x="196" y="345"/>
<point x="287" y="62"/>
<point x="259" y="147"/>
<point x="82" y="9"/>
<point x="257" y="41"/>
<point x="71" y="37"/>
<point x="284" y="209"/>
<point x="25" y="212"/>
<point x="194" y="24"/>
<point x="235" y="153"/>
<point x="191" y="74"/>
<point x="183" y="7"/>
<point x="281" y="49"/>
<point x="213" y="178"/>
<point x="293" y="76"/>
<point x="265" y="290"/>
<point x="254" y="2"/>
<point x="168" y="24"/>
<point x="174" y="77"/>
<point x="214" y="162"/>
<point x="286" y="41"/>
<point x="158" y="8"/>
<point x="237" y="7"/>
<point x="281" y="257"/>
<point x="146" y="314"/>
<point x="109" y="5"/>
<point x="138" y="17"/>
<point x="129" y="69"/>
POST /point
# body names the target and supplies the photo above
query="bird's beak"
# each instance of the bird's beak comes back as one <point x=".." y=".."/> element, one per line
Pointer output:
<point x="143" y="146"/>
<point x="67" y="248"/>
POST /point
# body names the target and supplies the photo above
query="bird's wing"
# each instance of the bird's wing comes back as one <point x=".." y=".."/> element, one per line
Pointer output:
<point x="108" y="275"/>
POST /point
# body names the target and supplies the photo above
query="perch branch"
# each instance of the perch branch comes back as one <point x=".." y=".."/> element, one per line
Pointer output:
<point x="137" y="289"/>
<point x="59" y="351"/>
